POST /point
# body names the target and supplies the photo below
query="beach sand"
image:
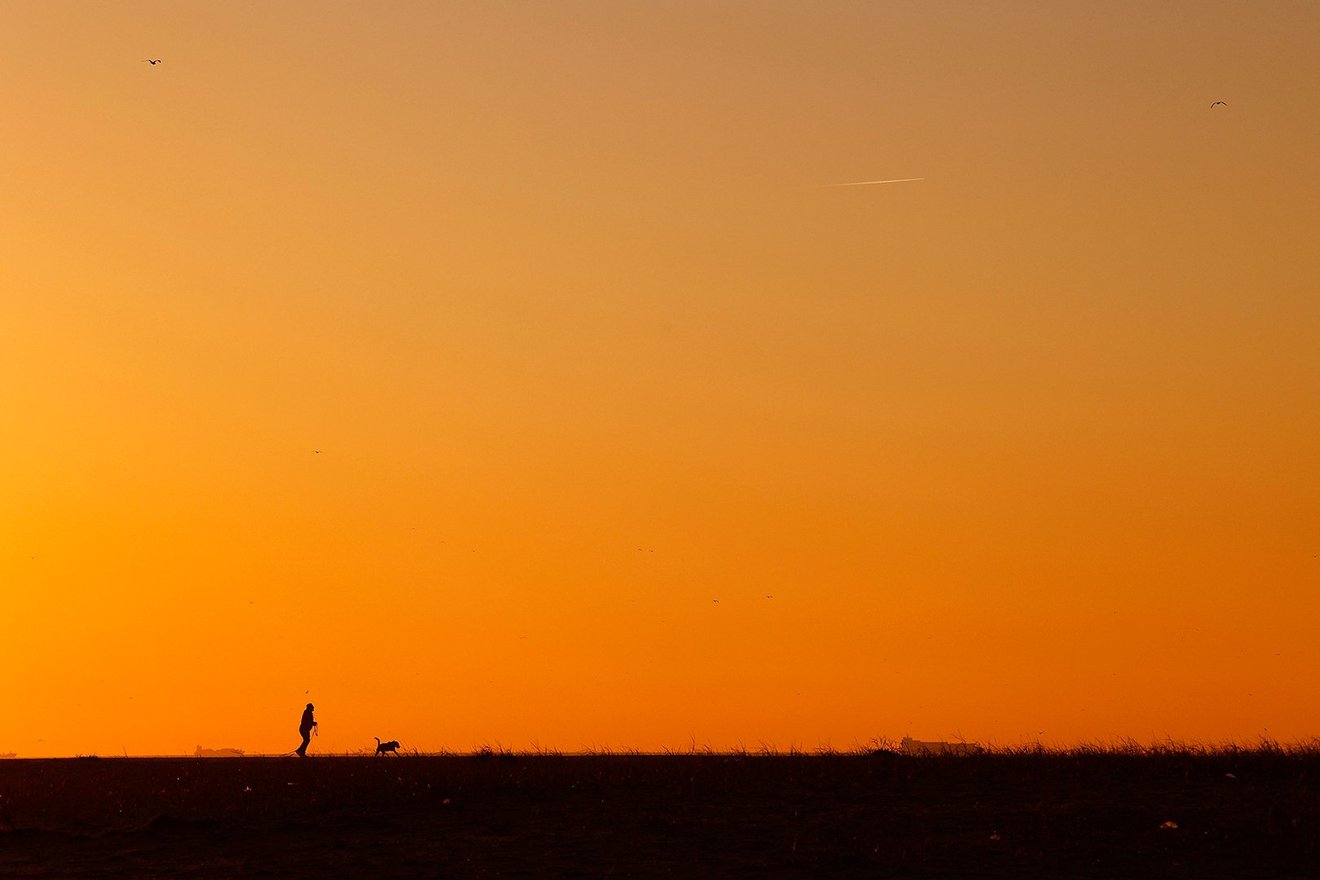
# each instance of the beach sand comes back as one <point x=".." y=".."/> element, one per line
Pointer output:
<point x="881" y="815"/>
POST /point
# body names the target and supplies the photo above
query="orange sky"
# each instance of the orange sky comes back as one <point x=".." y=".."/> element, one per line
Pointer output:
<point x="1027" y="448"/>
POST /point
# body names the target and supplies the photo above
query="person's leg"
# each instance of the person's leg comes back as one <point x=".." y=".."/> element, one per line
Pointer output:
<point x="302" y="749"/>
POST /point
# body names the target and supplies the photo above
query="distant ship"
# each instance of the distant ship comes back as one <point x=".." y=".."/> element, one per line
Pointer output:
<point x="218" y="753"/>
<point x="8" y="755"/>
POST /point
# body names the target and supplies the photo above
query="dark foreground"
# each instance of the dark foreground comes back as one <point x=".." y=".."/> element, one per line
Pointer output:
<point x="995" y="815"/>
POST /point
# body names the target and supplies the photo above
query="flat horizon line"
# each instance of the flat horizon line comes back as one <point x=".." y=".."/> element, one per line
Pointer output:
<point x="1300" y="748"/>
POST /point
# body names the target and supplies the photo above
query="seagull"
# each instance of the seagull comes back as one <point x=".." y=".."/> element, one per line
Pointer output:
<point x="1218" y="103"/>
<point x="152" y="61"/>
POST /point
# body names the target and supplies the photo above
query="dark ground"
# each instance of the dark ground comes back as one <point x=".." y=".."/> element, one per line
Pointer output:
<point x="995" y="815"/>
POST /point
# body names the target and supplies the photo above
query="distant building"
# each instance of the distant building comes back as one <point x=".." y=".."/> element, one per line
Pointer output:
<point x="910" y="746"/>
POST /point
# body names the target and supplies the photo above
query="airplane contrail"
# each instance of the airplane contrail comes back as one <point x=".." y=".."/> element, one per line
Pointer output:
<point x="870" y="182"/>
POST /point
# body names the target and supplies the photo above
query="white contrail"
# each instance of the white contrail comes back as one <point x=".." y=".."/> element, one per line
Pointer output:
<point x="870" y="182"/>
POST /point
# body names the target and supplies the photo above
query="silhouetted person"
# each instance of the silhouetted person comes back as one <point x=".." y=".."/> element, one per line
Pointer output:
<point x="305" y="727"/>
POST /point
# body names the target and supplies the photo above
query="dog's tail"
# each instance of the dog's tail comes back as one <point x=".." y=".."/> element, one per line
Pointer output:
<point x="377" y="739"/>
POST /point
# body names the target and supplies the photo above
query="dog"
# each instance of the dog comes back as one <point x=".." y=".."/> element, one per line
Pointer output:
<point x="386" y="747"/>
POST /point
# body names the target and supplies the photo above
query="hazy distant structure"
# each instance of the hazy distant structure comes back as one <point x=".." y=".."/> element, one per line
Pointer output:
<point x="910" y="746"/>
<point x="218" y="753"/>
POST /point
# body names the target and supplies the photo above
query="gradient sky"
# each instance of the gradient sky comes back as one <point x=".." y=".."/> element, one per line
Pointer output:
<point x="1029" y="448"/>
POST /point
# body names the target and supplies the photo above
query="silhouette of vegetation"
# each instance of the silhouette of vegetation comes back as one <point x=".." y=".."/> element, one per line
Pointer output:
<point x="1118" y="809"/>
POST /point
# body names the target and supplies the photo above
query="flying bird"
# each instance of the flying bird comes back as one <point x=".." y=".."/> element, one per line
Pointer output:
<point x="871" y="182"/>
<point x="1217" y="103"/>
<point x="152" y="61"/>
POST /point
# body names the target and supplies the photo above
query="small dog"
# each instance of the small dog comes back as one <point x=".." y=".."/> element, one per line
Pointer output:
<point x="384" y="748"/>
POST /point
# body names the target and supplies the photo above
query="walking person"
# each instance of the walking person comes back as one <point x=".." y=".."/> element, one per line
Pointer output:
<point x="306" y="727"/>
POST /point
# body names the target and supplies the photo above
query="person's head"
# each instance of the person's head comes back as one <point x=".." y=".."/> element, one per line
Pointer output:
<point x="310" y="707"/>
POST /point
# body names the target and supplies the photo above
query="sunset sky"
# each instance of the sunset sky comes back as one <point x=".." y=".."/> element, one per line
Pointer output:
<point x="511" y="373"/>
